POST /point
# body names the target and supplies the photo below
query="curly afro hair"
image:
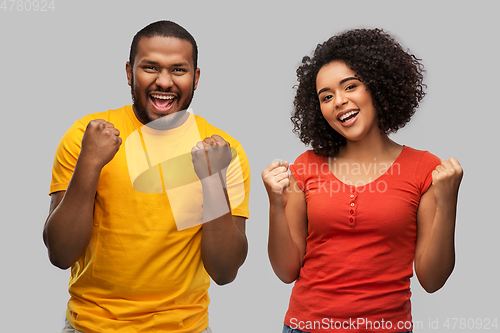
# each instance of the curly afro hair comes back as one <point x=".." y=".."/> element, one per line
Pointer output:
<point x="393" y="77"/>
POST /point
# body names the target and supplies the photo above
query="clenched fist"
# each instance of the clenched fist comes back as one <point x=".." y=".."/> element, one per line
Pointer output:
<point x="446" y="181"/>
<point x="100" y="142"/>
<point x="211" y="156"/>
<point x="276" y="180"/>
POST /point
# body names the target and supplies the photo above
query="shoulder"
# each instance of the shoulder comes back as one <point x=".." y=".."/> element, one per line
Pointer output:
<point x="114" y="115"/>
<point x="420" y="157"/>
<point x="206" y="129"/>
<point x="308" y="164"/>
<point x="308" y="157"/>
<point x="420" y="164"/>
<point x="74" y="134"/>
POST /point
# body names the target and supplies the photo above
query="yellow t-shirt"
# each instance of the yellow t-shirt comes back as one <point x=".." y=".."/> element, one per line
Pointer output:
<point x="142" y="270"/>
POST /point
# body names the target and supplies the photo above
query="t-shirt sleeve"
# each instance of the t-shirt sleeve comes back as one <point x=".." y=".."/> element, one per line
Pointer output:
<point x="298" y="169"/>
<point x="67" y="153"/>
<point x="238" y="183"/>
<point x="426" y="165"/>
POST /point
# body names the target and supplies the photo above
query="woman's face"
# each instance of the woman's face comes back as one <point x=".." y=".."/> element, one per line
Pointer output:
<point x="345" y="101"/>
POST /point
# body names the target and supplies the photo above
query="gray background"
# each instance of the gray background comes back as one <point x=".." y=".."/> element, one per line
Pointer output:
<point x="57" y="66"/>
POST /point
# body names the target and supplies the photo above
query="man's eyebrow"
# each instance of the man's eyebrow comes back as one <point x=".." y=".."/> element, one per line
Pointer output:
<point x="181" y="64"/>
<point x="341" y="82"/>
<point x="148" y="62"/>
<point x="151" y="62"/>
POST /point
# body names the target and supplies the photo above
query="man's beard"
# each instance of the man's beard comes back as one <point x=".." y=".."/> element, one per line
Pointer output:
<point x="140" y="105"/>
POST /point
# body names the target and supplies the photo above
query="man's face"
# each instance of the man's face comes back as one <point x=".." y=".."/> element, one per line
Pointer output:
<point x="163" y="79"/>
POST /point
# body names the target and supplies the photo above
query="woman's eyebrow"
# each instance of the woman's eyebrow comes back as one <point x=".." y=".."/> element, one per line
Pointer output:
<point x="348" y="78"/>
<point x="341" y="82"/>
<point x="322" y="90"/>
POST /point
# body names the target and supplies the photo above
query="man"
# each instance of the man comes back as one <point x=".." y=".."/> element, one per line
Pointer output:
<point x="116" y="208"/>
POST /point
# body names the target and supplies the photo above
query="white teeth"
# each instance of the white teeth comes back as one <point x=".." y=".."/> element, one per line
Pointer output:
<point x="163" y="97"/>
<point x="347" y="115"/>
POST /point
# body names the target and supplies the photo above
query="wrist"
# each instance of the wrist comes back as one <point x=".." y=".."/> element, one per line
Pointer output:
<point x="277" y="202"/>
<point x="89" y="162"/>
<point x="213" y="181"/>
<point x="215" y="199"/>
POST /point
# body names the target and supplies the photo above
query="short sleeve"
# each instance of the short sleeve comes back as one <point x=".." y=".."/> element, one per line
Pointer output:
<point x="298" y="169"/>
<point x="426" y="165"/>
<point x="238" y="182"/>
<point x="67" y="153"/>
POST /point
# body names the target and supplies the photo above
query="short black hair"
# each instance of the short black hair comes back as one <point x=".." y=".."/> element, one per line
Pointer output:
<point x="393" y="76"/>
<point x="163" y="29"/>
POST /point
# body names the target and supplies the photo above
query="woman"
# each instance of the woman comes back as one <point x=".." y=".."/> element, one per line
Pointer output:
<point x="358" y="209"/>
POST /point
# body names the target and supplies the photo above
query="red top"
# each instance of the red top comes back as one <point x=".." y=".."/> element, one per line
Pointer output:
<point x="360" y="247"/>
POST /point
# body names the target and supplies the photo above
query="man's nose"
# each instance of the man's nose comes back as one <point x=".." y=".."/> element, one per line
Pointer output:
<point x="164" y="80"/>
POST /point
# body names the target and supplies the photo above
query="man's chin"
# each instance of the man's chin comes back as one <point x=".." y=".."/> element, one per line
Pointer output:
<point x="161" y="121"/>
<point x="146" y="116"/>
<point x="169" y="121"/>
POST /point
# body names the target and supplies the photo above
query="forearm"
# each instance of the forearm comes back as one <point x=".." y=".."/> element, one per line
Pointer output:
<point x="223" y="244"/>
<point x="282" y="250"/>
<point x="68" y="228"/>
<point x="438" y="259"/>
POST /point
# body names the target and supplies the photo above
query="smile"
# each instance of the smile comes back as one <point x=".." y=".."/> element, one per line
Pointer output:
<point x="162" y="102"/>
<point x="348" y="116"/>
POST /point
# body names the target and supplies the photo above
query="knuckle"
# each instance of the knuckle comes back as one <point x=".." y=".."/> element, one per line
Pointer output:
<point x="92" y="124"/>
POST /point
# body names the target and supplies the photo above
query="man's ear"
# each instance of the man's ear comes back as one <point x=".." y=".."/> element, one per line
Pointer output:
<point x="128" y="69"/>
<point x="196" y="77"/>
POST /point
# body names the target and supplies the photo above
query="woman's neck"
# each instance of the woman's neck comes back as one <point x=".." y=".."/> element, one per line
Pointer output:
<point x="375" y="145"/>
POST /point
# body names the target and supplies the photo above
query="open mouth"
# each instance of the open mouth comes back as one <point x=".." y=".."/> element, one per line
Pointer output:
<point x="162" y="102"/>
<point x="348" y="116"/>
